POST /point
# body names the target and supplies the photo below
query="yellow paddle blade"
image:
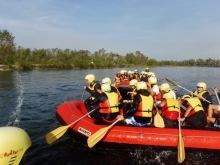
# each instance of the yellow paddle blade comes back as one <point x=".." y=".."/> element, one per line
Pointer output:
<point x="181" y="150"/>
<point x="56" y="134"/>
<point x="158" y="121"/>
<point x="97" y="136"/>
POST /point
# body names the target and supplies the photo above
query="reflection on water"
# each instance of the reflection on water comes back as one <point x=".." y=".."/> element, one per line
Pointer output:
<point x="29" y="100"/>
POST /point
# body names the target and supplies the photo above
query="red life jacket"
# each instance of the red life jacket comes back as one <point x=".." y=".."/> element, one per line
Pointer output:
<point x="170" y="109"/>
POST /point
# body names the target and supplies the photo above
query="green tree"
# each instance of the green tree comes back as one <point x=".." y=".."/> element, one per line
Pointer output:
<point x="7" y="47"/>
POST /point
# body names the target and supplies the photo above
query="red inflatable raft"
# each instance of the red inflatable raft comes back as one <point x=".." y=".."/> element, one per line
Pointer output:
<point x="70" y="111"/>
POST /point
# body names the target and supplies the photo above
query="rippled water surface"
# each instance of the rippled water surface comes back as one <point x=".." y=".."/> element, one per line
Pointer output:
<point x="29" y="100"/>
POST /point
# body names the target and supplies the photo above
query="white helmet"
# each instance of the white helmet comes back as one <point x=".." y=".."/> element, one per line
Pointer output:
<point x="152" y="80"/>
<point x="141" y="85"/>
<point x="106" y="87"/>
<point x="168" y="95"/>
<point x="122" y="72"/>
<point x="165" y="87"/>
<point x="106" y="80"/>
<point x="149" y="74"/>
<point x="14" y="142"/>
<point x="133" y="82"/>
<point x="186" y="97"/>
<point x="202" y="85"/>
<point x="90" y="77"/>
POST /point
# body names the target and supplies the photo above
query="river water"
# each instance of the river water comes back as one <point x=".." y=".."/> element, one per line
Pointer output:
<point x="29" y="100"/>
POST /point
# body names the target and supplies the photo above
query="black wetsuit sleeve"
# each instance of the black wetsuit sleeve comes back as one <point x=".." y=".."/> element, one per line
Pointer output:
<point x="94" y="93"/>
<point x="136" y="101"/>
<point x="208" y="97"/>
<point x="101" y="98"/>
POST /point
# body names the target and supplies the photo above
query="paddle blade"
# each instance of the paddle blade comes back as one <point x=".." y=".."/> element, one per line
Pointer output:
<point x="158" y="121"/>
<point x="56" y="134"/>
<point x="181" y="150"/>
<point x="97" y="136"/>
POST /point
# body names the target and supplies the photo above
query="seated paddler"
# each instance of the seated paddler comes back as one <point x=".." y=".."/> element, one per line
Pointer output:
<point x="94" y="89"/>
<point x="141" y="112"/>
<point x="194" y="115"/>
<point x="169" y="108"/>
<point x="108" y="105"/>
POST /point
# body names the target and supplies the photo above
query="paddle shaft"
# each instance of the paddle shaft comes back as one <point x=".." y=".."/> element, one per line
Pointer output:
<point x="174" y="83"/>
<point x="83" y="95"/>
<point x="217" y="97"/>
<point x="83" y="116"/>
<point x="195" y="94"/>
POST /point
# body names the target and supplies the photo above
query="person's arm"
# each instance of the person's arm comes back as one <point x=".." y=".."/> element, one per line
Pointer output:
<point x="186" y="113"/>
<point x="208" y="97"/>
<point x="134" y="107"/>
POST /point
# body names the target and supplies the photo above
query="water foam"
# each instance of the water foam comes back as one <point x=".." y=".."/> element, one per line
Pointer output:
<point x="14" y="118"/>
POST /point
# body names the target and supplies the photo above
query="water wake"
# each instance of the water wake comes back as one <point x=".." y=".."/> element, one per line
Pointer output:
<point x="15" y="116"/>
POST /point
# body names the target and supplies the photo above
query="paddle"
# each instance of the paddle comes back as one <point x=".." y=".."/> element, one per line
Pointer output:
<point x="57" y="133"/>
<point x="82" y="95"/>
<point x="158" y="120"/>
<point x="174" y="83"/>
<point x="217" y="97"/>
<point x="97" y="136"/>
<point x="181" y="150"/>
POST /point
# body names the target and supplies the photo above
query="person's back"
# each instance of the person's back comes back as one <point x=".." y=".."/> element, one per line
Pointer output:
<point x="194" y="115"/>
<point x="141" y="112"/>
<point x="169" y="108"/>
<point x="108" y="105"/>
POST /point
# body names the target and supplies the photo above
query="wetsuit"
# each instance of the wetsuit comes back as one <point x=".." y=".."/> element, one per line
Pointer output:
<point x="92" y="89"/>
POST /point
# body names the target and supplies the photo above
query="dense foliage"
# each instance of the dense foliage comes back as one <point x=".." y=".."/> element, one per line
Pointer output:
<point x="27" y="59"/>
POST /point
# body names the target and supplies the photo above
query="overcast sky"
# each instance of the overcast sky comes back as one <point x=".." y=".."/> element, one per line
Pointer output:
<point x="160" y="29"/>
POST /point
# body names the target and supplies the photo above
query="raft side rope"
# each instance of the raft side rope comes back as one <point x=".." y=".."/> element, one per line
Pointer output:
<point x="14" y="118"/>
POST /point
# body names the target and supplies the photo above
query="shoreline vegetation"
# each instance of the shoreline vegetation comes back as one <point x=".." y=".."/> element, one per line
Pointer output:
<point x="19" y="58"/>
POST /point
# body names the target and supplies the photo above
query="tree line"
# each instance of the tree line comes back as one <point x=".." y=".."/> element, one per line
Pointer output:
<point x="27" y="59"/>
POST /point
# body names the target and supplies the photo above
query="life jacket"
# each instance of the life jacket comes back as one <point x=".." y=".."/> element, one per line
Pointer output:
<point x="118" y="93"/>
<point x="145" y="106"/>
<point x="110" y="105"/>
<point x="92" y="88"/>
<point x="170" y="109"/>
<point x="201" y="93"/>
<point x="196" y="105"/>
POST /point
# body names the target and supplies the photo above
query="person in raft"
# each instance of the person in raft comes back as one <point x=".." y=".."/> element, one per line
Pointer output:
<point x="108" y="105"/>
<point x="141" y="112"/>
<point x="113" y="88"/>
<point x="154" y="89"/>
<point x="214" y="112"/>
<point x="194" y="115"/>
<point x="203" y="95"/>
<point x="165" y="88"/>
<point x="169" y="110"/>
<point x="14" y="143"/>
<point x="94" y="88"/>
<point x="133" y="85"/>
